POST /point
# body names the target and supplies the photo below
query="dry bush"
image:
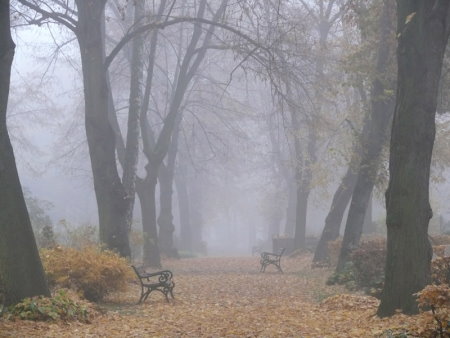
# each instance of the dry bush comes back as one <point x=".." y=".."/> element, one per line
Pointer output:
<point x="440" y="239"/>
<point x="440" y="270"/>
<point x="92" y="272"/>
<point x="368" y="262"/>
<point x="436" y="297"/>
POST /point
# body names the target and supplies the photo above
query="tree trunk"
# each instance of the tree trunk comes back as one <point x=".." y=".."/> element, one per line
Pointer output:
<point x="146" y="190"/>
<point x="290" y="210"/>
<point x="300" y="219"/>
<point x="373" y="137"/>
<point x="423" y="32"/>
<point x="195" y="193"/>
<point x="130" y="162"/>
<point x="367" y="224"/>
<point x="109" y="191"/>
<point x="21" y="271"/>
<point x="340" y="202"/>
<point x="184" y="209"/>
<point x="166" y="176"/>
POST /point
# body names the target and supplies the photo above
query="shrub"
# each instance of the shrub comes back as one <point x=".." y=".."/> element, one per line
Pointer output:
<point x="345" y="277"/>
<point x="366" y="268"/>
<point x="440" y="239"/>
<point x="437" y="297"/>
<point x="91" y="272"/>
<point x="62" y="306"/>
<point x="440" y="270"/>
<point x="368" y="263"/>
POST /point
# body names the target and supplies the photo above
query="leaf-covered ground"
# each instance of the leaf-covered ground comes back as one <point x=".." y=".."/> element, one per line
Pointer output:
<point x="218" y="297"/>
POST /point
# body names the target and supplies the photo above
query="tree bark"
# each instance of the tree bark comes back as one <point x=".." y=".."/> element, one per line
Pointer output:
<point x="340" y="202"/>
<point x="423" y="32"/>
<point x="110" y="193"/>
<point x="136" y="96"/>
<point x="146" y="191"/>
<point x="166" y="180"/>
<point x="290" y="210"/>
<point x="184" y="208"/>
<point x="373" y="137"/>
<point x="21" y="271"/>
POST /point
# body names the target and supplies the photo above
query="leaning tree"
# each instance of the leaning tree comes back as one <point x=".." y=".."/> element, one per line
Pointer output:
<point x="21" y="271"/>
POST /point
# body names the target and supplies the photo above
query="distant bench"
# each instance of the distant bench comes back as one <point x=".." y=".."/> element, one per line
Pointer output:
<point x="155" y="281"/>
<point x="268" y="258"/>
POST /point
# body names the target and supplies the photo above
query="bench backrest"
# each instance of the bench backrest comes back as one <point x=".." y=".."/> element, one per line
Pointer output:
<point x="139" y="270"/>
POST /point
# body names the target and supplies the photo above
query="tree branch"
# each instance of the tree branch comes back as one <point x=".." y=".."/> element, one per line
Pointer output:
<point x="58" y="17"/>
<point x="162" y="25"/>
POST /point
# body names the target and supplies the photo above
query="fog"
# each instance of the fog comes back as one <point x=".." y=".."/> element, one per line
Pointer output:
<point x="236" y="142"/>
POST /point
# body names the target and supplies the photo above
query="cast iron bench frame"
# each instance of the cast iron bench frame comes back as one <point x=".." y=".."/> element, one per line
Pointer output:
<point x="154" y="281"/>
<point x="268" y="258"/>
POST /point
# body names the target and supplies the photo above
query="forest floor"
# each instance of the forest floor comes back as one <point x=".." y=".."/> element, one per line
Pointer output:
<point x="217" y="297"/>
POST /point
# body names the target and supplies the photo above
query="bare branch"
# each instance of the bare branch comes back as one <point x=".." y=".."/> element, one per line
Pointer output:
<point x="162" y="25"/>
<point x="58" y="17"/>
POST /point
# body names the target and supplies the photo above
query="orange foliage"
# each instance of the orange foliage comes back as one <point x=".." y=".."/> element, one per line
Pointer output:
<point x="92" y="272"/>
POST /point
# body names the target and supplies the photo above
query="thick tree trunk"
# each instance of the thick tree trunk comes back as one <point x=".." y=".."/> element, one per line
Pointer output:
<point x="21" y="271"/>
<point x="340" y="202"/>
<point x="423" y="32"/>
<point x="109" y="191"/>
<point x="373" y="137"/>
<point x="146" y="190"/>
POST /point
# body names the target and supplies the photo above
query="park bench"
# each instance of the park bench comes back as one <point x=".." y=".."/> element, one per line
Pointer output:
<point x="154" y="281"/>
<point x="268" y="258"/>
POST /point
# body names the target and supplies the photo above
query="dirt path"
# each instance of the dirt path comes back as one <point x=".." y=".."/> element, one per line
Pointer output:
<point x="218" y="297"/>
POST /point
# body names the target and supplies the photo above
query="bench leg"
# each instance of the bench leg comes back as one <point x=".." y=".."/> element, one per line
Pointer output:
<point x="279" y="267"/>
<point x="144" y="296"/>
<point x="263" y="268"/>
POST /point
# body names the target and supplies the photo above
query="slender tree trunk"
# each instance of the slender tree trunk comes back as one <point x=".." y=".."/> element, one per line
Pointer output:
<point x="21" y="269"/>
<point x="109" y="191"/>
<point x="300" y="219"/>
<point x="146" y="190"/>
<point x="157" y="151"/>
<point x="136" y="96"/>
<point x="423" y="32"/>
<point x="344" y="192"/>
<point x="340" y="202"/>
<point x="290" y="211"/>
<point x="165" y="218"/>
<point x="367" y="225"/>
<point x="373" y="139"/>
<point x="166" y="179"/>
<point x="195" y="193"/>
<point x="184" y="209"/>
